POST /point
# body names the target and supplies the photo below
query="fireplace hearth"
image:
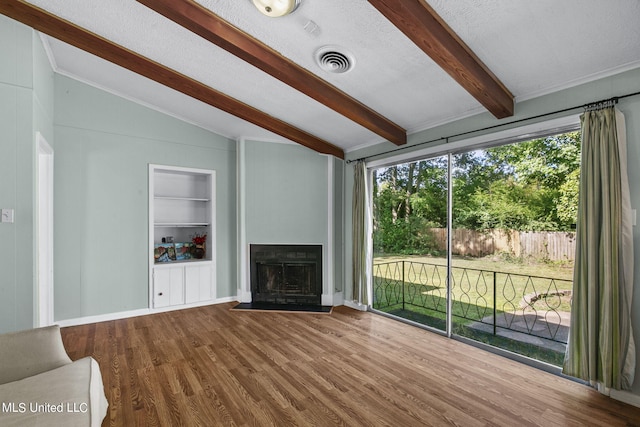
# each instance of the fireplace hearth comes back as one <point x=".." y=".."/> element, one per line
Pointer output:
<point x="286" y="274"/>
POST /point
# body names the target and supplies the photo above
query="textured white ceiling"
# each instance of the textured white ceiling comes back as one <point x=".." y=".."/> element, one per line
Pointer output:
<point x="533" y="47"/>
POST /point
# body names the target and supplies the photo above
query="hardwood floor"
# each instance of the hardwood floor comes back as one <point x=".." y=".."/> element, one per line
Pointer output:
<point x="210" y="366"/>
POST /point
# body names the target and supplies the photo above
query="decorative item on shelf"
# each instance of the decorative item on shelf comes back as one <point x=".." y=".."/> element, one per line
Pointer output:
<point x="164" y="252"/>
<point x="200" y="245"/>
<point x="183" y="250"/>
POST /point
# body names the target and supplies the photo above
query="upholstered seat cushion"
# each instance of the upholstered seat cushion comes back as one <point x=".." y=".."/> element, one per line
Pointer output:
<point x="70" y="395"/>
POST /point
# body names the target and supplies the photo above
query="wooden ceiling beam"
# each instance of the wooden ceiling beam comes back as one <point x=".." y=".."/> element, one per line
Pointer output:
<point x="206" y="24"/>
<point x="83" y="39"/>
<point x="418" y="21"/>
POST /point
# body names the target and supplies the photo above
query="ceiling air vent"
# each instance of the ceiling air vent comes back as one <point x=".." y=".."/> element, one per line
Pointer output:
<point x="334" y="60"/>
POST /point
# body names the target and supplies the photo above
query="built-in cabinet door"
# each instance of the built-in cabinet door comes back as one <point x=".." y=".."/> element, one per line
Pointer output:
<point x="182" y="284"/>
<point x="198" y="284"/>
<point x="168" y="286"/>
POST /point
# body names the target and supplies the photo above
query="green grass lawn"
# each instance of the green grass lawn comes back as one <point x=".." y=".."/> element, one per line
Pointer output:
<point x="473" y="283"/>
<point x="491" y="263"/>
<point x="424" y="296"/>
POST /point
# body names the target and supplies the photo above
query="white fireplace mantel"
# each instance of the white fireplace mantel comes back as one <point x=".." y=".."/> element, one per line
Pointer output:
<point x="324" y="235"/>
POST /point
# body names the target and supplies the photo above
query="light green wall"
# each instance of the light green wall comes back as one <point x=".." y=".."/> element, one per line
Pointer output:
<point x="104" y="144"/>
<point x="16" y="67"/>
<point x="289" y="199"/>
<point x="43" y="85"/>
<point x="618" y="85"/>
<point x="286" y="194"/>
<point x="25" y="107"/>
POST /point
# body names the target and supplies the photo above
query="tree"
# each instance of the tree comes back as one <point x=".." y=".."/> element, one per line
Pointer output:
<point x="409" y="199"/>
<point x="529" y="185"/>
<point x="568" y="201"/>
<point x="538" y="172"/>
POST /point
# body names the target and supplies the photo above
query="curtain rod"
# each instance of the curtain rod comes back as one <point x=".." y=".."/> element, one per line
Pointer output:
<point x="589" y="106"/>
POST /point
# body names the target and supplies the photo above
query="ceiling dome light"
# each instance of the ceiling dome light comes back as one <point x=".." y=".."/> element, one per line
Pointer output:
<point x="276" y="8"/>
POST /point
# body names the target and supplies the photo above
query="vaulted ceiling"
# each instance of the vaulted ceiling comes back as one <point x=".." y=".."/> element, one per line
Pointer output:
<point x="224" y="66"/>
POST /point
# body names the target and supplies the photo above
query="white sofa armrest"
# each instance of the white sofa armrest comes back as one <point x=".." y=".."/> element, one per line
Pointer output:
<point x="30" y="352"/>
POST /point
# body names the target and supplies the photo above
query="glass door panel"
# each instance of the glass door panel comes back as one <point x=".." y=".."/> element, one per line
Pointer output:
<point x="410" y="241"/>
<point x="513" y="244"/>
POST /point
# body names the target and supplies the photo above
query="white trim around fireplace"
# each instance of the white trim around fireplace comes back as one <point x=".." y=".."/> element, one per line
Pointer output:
<point x="243" y="292"/>
<point x="329" y="295"/>
<point x="328" y="275"/>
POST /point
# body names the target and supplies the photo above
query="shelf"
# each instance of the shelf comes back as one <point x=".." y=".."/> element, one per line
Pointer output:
<point x="181" y="208"/>
<point x="182" y="261"/>
<point x="182" y="199"/>
<point x="181" y="224"/>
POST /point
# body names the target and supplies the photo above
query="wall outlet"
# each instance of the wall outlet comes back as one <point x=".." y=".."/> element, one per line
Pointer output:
<point x="6" y="215"/>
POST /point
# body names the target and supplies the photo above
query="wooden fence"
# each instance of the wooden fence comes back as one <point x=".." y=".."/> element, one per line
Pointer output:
<point x="552" y="246"/>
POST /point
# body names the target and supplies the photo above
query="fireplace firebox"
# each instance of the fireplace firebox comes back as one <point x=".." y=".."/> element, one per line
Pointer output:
<point x="286" y="274"/>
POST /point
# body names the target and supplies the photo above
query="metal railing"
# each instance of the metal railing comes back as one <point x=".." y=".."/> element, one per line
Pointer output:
<point x="482" y="299"/>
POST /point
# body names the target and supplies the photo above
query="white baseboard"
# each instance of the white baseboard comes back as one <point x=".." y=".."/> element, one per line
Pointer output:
<point x="226" y="299"/>
<point x="337" y="299"/>
<point x="626" y="397"/>
<point x="326" y="300"/>
<point x="134" y="313"/>
<point x="355" y="305"/>
<point x="244" y="296"/>
<point x="102" y="317"/>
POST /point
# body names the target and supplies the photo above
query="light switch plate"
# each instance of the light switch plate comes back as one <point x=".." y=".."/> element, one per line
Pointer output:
<point x="7" y="215"/>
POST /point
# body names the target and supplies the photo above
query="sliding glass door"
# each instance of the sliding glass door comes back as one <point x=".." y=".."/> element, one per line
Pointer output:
<point x="496" y="239"/>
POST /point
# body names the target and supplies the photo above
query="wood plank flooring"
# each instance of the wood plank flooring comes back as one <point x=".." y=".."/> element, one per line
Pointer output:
<point x="210" y="366"/>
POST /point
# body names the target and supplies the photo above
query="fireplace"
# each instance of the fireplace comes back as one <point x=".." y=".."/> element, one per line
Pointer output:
<point x="286" y="274"/>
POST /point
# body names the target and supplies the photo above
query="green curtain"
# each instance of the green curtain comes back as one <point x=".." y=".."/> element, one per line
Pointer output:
<point x="601" y="348"/>
<point x="359" y="255"/>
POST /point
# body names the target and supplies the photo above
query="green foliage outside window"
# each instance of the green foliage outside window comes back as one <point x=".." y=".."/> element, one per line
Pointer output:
<point x="527" y="186"/>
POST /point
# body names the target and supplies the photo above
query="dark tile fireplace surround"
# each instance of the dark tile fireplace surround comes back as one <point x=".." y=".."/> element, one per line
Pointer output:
<point x="286" y="274"/>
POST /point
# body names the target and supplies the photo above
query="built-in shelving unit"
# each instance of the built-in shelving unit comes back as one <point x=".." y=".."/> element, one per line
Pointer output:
<point x="181" y="208"/>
